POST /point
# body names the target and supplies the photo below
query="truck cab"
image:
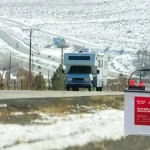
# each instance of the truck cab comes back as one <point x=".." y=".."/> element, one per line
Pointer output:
<point x="85" y="70"/>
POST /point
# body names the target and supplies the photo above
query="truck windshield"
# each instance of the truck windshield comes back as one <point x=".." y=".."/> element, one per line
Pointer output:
<point x="80" y="69"/>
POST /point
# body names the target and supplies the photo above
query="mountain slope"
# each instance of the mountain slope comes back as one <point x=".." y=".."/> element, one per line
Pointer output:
<point x="108" y="24"/>
<point x="117" y="24"/>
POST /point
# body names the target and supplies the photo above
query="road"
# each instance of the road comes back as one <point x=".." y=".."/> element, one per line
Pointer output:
<point x="25" y="48"/>
<point x="22" y="94"/>
<point x="68" y="38"/>
<point x="25" y="64"/>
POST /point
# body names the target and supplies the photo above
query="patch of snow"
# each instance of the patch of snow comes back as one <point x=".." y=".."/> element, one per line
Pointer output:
<point x="98" y="24"/>
<point x="69" y="130"/>
<point x="16" y="113"/>
<point x="3" y="105"/>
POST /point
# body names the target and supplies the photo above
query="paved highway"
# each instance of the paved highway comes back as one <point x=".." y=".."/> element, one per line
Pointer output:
<point x="24" y="49"/>
<point x="16" y="94"/>
<point x="25" y="64"/>
<point x="11" y="40"/>
<point x="68" y="38"/>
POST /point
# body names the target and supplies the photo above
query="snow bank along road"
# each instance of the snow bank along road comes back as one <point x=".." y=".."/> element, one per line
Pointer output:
<point x="47" y="94"/>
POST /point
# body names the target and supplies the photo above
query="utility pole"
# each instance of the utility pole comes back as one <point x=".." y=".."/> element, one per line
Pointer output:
<point x="30" y="60"/>
<point x="32" y="63"/>
<point x="62" y="56"/>
<point x="61" y="43"/>
<point x="32" y="72"/>
<point x="9" y="67"/>
<point x="48" y="81"/>
<point x="9" y="78"/>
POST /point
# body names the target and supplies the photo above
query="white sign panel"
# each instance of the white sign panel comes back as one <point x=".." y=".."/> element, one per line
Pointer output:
<point x="137" y="113"/>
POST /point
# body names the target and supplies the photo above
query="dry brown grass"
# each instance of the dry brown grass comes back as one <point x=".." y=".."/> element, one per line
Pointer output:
<point x="117" y="84"/>
<point x="54" y="109"/>
<point x="105" y="102"/>
<point x="56" y="106"/>
<point x="125" y="143"/>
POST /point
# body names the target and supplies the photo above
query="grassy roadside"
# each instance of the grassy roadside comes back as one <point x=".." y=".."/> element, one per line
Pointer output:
<point x="54" y="106"/>
<point x="72" y="105"/>
<point x="126" y="143"/>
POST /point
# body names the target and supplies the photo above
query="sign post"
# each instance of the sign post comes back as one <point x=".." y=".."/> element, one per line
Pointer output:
<point x="61" y="43"/>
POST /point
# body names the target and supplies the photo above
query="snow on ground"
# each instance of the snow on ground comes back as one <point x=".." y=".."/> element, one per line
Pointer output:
<point x="122" y="63"/>
<point x="4" y="75"/>
<point x="3" y="105"/>
<point x="23" y="58"/>
<point x="16" y="113"/>
<point x="70" y="130"/>
<point x="115" y="25"/>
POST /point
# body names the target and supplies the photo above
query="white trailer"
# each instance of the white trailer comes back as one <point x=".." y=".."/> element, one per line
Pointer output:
<point x="85" y="70"/>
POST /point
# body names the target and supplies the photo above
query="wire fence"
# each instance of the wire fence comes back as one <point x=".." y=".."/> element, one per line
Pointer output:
<point x="57" y="85"/>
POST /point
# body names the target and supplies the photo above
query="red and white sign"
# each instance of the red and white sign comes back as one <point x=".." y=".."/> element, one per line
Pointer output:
<point x="137" y="113"/>
<point x="142" y="111"/>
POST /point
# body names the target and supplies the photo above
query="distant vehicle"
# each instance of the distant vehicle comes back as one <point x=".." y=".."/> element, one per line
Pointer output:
<point x="53" y="59"/>
<point x="33" y="65"/>
<point x="85" y="70"/>
<point x="39" y="67"/>
<point x="38" y="53"/>
<point x="53" y="66"/>
<point x="49" y="56"/>
<point x="37" y="60"/>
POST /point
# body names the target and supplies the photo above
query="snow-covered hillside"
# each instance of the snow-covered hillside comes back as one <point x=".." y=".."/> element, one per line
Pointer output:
<point x="107" y="22"/>
<point x="111" y="24"/>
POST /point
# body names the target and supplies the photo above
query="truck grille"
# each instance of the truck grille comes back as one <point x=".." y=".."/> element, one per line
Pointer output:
<point x="78" y="79"/>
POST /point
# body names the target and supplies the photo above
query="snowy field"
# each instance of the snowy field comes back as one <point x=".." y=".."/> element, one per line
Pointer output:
<point x="102" y="25"/>
<point x="59" y="132"/>
<point x="108" y="25"/>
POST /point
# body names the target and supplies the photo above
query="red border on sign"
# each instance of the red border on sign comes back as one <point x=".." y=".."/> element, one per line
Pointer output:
<point x="142" y="111"/>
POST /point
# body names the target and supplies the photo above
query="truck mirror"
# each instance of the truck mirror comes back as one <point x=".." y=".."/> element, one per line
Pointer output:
<point x="97" y="71"/>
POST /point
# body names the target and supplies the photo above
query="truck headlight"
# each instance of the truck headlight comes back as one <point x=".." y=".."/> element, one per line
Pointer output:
<point x="69" y="79"/>
<point x="86" y="79"/>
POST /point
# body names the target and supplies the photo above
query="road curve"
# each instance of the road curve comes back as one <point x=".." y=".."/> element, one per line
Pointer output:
<point x="70" y="39"/>
<point x="23" y="48"/>
<point x="25" y="94"/>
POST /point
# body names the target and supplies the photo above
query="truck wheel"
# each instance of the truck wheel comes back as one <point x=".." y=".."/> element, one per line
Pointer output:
<point x="67" y="88"/>
<point x="73" y="89"/>
<point x="90" y="89"/>
<point x="77" y="89"/>
<point x="100" y="88"/>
